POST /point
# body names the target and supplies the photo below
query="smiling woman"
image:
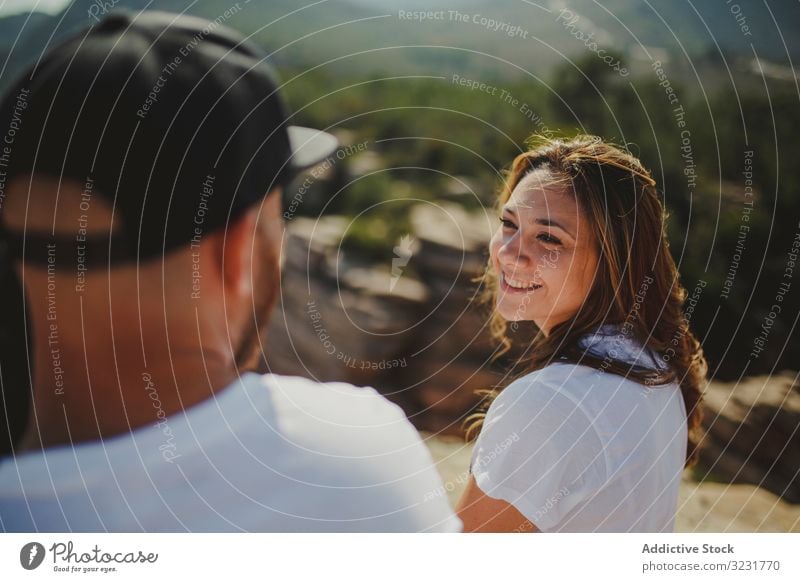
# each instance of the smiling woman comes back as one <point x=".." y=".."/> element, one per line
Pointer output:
<point x="602" y="424"/>
<point x="542" y="229"/>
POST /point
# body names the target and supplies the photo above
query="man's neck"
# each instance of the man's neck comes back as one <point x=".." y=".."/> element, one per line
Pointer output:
<point x="78" y="398"/>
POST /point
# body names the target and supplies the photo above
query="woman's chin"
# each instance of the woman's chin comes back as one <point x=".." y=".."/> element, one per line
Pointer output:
<point x="512" y="313"/>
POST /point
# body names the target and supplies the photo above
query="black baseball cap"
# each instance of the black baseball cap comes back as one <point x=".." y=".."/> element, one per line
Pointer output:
<point x="177" y="121"/>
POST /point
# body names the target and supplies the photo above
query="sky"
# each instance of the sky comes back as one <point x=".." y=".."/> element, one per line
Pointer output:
<point x="12" y="6"/>
<point x="55" y="6"/>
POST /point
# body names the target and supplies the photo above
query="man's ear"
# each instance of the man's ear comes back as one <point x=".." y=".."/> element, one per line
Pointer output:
<point x="235" y="246"/>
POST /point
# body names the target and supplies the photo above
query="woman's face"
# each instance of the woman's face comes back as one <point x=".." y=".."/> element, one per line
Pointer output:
<point x="543" y="253"/>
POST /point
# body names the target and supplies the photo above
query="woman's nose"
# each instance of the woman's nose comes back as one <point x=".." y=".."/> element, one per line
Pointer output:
<point x="512" y="252"/>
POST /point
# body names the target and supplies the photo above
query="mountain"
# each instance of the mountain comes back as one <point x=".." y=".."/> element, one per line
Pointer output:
<point x="15" y="27"/>
<point x="490" y="40"/>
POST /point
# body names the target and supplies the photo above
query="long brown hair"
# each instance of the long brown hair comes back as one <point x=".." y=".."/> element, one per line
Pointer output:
<point x="637" y="284"/>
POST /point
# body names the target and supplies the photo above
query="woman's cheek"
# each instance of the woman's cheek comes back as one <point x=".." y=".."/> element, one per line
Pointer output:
<point x="549" y="258"/>
<point x="494" y="247"/>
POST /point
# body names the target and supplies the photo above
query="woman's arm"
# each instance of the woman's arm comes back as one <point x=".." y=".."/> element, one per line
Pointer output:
<point x="481" y="513"/>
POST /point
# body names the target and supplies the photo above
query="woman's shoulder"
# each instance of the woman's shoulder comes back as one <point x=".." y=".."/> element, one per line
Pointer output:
<point x="562" y="386"/>
<point x="543" y="400"/>
<point x="565" y="379"/>
<point x="538" y="449"/>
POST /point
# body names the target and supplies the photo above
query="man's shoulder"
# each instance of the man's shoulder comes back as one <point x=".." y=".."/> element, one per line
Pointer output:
<point x="329" y="399"/>
<point x="335" y="416"/>
<point x="329" y="389"/>
<point x="354" y="439"/>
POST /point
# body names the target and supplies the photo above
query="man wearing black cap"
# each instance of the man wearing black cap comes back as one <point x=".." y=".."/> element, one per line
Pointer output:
<point x="143" y="165"/>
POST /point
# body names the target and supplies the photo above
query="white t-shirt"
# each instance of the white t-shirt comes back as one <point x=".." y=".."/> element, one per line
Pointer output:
<point x="267" y="453"/>
<point x="575" y="449"/>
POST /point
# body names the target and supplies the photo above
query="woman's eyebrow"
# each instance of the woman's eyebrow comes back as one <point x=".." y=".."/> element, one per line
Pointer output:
<point x="551" y="222"/>
<point x="542" y="221"/>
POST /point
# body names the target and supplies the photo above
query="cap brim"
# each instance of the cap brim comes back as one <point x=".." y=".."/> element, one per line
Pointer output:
<point x="309" y="146"/>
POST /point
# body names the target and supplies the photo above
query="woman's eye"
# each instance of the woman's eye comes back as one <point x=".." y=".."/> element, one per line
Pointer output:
<point x="507" y="223"/>
<point x="549" y="239"/>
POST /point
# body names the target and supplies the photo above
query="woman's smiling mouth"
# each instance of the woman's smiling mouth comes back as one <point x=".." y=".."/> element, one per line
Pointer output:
<point x="508" y="284"/>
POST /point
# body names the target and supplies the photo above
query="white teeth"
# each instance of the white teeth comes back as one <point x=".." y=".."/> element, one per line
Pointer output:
<point x="514" y="283"/>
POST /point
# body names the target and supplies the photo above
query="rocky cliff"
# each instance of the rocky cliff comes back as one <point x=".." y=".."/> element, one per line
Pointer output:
<point x="409" y="325"/>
